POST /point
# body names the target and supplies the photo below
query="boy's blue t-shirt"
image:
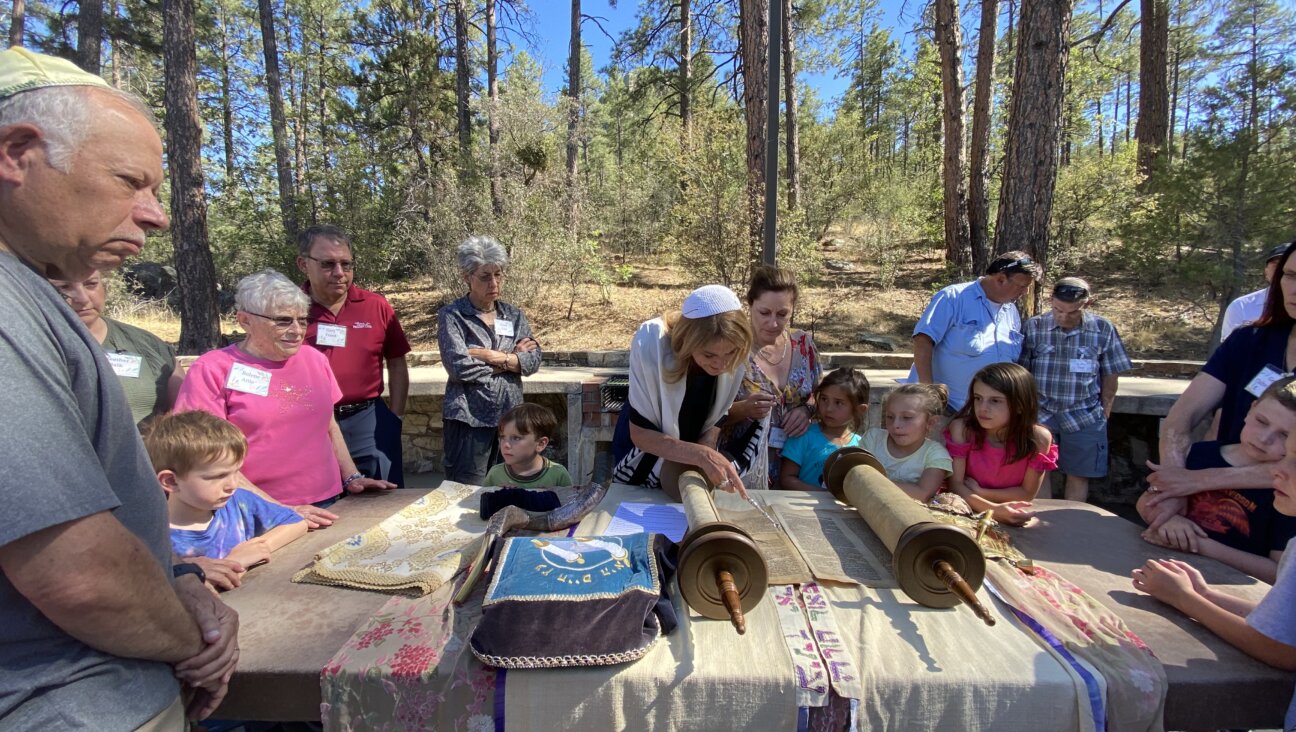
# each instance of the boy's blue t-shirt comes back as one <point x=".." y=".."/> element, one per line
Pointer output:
<point x="810" y="450"/>
<point x="245" y="516"/>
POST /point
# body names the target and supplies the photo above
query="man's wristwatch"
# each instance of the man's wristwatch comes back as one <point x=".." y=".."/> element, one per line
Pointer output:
<point x="180" y="570"/>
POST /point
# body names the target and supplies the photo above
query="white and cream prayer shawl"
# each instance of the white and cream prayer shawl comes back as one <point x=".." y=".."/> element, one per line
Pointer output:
<point x="659" y="401"/>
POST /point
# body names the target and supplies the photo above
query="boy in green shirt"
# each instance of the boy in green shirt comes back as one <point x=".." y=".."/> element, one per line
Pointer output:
<point x="524" y="433"/>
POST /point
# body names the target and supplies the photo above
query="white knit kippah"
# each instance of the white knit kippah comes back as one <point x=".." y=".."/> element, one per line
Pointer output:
<point x="710" y="300"/>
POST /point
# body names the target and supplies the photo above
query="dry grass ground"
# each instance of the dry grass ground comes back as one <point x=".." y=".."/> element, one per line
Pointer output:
<point x="847" y="300"/>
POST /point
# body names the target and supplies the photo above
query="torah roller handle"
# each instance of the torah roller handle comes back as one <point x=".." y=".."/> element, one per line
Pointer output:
<point x="722" y="574"/>
<point x="936" y="564"/>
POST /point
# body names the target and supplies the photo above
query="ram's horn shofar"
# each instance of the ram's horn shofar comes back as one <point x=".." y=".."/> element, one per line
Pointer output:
<point x="512" y="518"/>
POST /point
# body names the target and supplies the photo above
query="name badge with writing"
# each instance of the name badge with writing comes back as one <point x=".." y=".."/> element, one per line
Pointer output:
<point x="503" y="327"/>
<point x="1083" y="366"/>
<point x="1262" y="380"/>
<point x="778" y="437"/>
<point x="126" y="364"/>
<point x="330" y="335"/>
<point x="248" y="379"/>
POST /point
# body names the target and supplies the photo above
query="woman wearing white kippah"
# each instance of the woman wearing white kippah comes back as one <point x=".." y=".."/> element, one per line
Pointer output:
<point x="685" y="370"/>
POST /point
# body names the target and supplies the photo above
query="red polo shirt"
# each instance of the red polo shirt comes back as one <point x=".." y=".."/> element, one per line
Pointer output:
<point x="372" y="335"/>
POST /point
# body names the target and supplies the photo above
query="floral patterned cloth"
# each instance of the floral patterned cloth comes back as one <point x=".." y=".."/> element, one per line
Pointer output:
<point x="803" y="374"/>
<point x="1075" y="624"/>
<point x="409" y="668"/>
<point x="416" y="551"/>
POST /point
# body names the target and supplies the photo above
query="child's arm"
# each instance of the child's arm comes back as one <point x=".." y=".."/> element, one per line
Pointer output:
<point x="1262" y="568"/>
<point x="1178" y="533"/>
<point x="790" y="480"/>
<point x="1179" y="585"/>
<point x="929" y="483"/>
<point x="258" y="549"/>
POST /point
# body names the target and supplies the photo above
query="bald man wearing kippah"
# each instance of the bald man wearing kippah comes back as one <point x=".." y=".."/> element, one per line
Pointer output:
<point x="97" y="621"/>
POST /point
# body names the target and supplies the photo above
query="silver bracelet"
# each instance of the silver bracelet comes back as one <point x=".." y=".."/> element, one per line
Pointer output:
<point x="351" y="479"/>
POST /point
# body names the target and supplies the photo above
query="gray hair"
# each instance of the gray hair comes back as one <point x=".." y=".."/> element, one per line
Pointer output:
<point x="267" y="291"/>
<point x="306" y="238"/>
<point x="65" y="116"/>
<point x="480" y="250"/>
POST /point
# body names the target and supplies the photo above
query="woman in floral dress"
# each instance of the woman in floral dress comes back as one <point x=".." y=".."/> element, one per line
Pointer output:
<point x="782" y="369"/>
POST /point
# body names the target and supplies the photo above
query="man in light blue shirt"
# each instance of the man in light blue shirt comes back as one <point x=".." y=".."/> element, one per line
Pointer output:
<point x="972" y="324"/>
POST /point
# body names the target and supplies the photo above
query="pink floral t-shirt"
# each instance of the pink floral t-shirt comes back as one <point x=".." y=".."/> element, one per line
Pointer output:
<point x="988" y="464"/>
<point x="290" y="455"/>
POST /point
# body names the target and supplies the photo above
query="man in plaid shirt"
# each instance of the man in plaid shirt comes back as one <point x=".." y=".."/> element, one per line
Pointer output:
<point x="1075" y="357"/>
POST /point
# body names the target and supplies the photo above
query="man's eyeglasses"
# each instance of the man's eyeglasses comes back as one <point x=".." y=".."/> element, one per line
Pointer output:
<point x="283" y="323"/>
<point x="328" y="265"/>
<point x="1070" y="293"/>
<point x="1012" y="265"/>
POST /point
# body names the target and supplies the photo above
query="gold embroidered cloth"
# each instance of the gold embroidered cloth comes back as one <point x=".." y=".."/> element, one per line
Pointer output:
<point x="414" y="552"/>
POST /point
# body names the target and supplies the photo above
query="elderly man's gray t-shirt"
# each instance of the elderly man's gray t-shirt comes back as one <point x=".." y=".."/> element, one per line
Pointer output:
<point x="70" y="450"/>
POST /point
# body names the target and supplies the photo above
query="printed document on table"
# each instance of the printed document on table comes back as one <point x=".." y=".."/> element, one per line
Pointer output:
<point x="643" y="518"/>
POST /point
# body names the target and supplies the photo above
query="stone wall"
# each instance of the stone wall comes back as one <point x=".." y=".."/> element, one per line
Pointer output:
<point x="422" y="436"/>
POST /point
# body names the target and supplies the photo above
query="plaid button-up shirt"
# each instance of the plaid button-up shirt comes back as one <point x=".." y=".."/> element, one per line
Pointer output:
<point x="1069" y="366"/>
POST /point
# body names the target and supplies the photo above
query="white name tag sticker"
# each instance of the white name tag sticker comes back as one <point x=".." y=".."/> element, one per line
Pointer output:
<point x="778" y="437"/>
<point x="126" y="364"/>
<point x="249" y="380"/>
<point x="1083" y="366"/>
<point x="1262" y="380"/>
<point x="503" y="327"/>
<point x="330" y="335"/>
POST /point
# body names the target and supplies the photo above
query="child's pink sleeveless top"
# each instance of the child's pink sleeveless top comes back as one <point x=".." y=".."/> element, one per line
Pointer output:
<point x="987" y="464"/>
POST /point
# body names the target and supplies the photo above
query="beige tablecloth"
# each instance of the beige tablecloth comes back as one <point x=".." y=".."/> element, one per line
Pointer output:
<point x="922" y="668"/>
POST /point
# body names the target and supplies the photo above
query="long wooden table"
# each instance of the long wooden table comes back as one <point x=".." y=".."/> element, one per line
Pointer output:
<point x="290" y="631"/>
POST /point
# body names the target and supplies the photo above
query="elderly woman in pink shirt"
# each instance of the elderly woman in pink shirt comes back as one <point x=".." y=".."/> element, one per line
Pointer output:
<point x="281" y="396"/>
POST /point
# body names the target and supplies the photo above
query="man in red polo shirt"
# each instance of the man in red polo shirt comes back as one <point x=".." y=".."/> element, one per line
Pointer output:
<point x="357" y="331"/>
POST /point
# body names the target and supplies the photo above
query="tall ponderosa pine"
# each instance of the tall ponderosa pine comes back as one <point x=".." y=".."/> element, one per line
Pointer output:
<point x="1154" y="96"/>
<point x="90" y="35"/>
<point x="1034" y="118"/>
<point x="278" y="125"/>
<point x="753" y="37"/>
<point x="978" y="163"/>
<point x="195" y="273"/>
<point x="958" y="249"/>
<point x="792" y="134"/>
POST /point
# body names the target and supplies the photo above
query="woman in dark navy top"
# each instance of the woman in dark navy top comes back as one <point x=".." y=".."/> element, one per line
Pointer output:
<point x="1237" y="373"/>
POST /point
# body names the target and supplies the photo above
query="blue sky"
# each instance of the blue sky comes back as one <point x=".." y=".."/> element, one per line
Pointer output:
<point x="553" y="29"/>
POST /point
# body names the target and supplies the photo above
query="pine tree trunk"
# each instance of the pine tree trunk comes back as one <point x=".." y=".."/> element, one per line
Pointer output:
<point x="462" y="89"/>
<point x="754" y="57"/>
<point x="195" y="273"/>
<point x="278" y="126"/>
<point x="90" y="35"/>
<point x="1030" y="154"/>
<point x="16" y="22"/>
<point x="978" y="175"/>
<point x="1153" y="119"/>
<point x="793" y="135"/>
<point x="227" y="106"/>
<point x="492" y="111"/>
<point x="958" y="250"/>
<point x="573" y="112"/>
<point x="686" y="73"/>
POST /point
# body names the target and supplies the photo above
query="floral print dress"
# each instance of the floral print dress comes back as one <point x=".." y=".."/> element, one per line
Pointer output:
<point x="803" y="373"/>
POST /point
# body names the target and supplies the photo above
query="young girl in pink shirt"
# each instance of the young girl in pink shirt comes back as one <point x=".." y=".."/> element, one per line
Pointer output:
<point x="1000" y="453"/>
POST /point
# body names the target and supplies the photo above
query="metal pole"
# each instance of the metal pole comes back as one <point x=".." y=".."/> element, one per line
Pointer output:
<point x="772" y="107"/>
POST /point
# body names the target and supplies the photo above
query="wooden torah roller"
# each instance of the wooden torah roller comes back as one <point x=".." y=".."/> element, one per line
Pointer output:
<point x="722" y="574"/>
<point x="936" y="564"/>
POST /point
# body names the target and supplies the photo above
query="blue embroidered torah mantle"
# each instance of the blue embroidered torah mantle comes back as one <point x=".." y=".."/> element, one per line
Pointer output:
<point x="580" y="601"/>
